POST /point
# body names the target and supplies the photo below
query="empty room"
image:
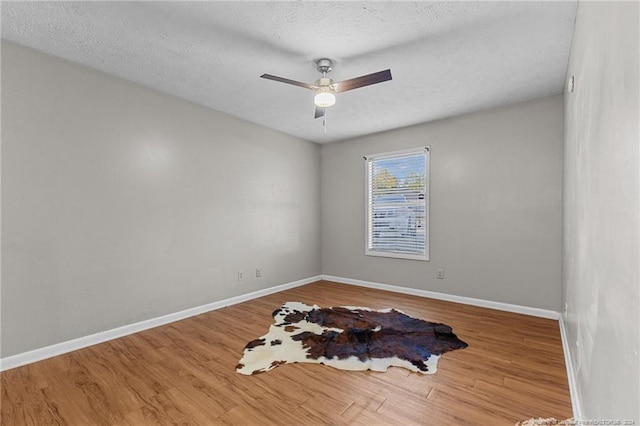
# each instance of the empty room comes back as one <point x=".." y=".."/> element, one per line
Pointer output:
<point x="320" y="213"/>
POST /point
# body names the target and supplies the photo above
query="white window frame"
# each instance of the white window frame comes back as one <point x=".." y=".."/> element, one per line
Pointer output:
<point x="368" y="210"/>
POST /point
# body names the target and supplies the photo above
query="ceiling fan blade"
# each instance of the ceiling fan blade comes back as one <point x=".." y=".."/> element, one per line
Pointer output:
<point x="319" y="112"/>
<point x="365" y="80"/>
<point x="288" y="81"/>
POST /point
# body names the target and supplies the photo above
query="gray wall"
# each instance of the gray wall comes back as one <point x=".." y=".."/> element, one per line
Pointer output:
<point x="122" y="204"/>
<point x="495" y="206"/>
<point x="601" y="219"/>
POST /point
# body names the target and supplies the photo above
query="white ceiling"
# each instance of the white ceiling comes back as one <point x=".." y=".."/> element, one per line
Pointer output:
<point x="446" y="58"/>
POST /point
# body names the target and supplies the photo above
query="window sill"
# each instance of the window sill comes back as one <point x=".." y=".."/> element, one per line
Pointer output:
<point x="397" y="255"/>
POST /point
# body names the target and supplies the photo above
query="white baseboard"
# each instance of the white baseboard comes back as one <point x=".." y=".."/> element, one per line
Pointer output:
<point x="103" y="336"/>
<point x="93" y="339"/>
<point x="536" y="312"/>
<point x="571" y="376"/>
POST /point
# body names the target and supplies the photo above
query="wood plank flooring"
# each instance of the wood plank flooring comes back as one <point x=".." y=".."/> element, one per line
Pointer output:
<point x="183" y="374"/>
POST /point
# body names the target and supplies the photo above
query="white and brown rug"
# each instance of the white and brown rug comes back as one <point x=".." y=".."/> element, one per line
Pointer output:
<point x="349" y="338"/>
<point x="550" y="421"/>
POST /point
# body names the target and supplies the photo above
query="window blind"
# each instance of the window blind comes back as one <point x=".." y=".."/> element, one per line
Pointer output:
<point x="397" y="201"/>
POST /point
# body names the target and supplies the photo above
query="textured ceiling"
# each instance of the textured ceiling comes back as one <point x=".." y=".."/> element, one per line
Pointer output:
<point x="446" y="58"/>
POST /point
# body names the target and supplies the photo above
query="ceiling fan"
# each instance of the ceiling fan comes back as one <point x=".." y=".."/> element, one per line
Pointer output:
<point x="325" y="88"/>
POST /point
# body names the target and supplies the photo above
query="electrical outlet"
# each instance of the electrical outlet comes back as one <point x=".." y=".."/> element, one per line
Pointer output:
<point x="258" y="273"/>
<point x="240" y="275"/>
<point x="440" y="274"/>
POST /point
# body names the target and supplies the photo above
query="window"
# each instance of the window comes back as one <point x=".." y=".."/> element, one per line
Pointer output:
<point x="397" y="201"/>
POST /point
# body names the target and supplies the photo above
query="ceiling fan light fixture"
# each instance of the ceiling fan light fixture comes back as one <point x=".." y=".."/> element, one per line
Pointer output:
<point x="324" y="98"/>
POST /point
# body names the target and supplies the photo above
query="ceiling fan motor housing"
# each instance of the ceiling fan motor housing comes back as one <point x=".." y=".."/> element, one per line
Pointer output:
<point x="324" y="81"/>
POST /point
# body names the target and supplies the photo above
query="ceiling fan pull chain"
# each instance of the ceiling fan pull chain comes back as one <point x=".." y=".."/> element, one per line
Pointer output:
<point x="324" y="123"/>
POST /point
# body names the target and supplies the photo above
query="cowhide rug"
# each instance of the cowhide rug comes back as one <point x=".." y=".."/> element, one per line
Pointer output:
<point x="349" y="338"/>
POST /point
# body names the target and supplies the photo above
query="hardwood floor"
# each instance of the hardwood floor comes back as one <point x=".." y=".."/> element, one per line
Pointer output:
<point x="183" y="373"/>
